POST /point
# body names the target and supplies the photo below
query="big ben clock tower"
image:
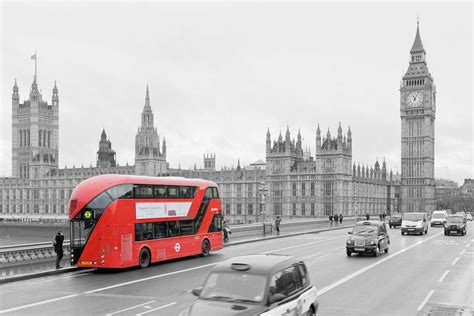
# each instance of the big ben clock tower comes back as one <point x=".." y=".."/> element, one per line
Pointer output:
<point x="417" y="112"/>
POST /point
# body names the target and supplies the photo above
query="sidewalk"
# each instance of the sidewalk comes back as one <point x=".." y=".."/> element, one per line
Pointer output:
<point x="46" y="267"/>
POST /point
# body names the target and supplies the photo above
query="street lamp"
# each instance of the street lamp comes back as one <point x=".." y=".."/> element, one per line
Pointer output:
<point x="262" y="193"/>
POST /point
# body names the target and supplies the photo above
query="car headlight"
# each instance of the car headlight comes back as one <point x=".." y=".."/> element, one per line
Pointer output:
<point x="349" y="242"/>
<point x="372" y="242"/>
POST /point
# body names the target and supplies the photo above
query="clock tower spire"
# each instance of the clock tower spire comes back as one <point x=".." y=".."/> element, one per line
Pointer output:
<point x="417" y="113"/>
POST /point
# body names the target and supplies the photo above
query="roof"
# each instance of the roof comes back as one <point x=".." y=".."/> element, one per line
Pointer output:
<point x="417" y="44"/>
<point x="259" y="264"/>
<point x="91" y="187"/>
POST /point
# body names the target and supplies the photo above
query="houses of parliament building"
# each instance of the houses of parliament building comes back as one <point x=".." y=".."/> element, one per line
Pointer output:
<point x="290" y="183"/>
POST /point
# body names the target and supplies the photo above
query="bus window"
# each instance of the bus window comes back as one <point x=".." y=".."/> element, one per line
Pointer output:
<point x="123" y="191"/>
<point x="186" y="227"/>
<point x="173" y="192"/>
<point x="216" y="224"/>
<point x="208" y="193"/>
<point x="186" y="192"/>
<point x="215" y="193"/>
<point x="143" y="231"/>
<point x="160" y="192"/>
<point x="142" y="192"/>
<point x="160" y="230"/>
<point x="173" y="229"/>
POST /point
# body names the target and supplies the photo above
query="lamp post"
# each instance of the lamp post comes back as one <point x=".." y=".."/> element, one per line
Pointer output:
<point x="262" y="193"/>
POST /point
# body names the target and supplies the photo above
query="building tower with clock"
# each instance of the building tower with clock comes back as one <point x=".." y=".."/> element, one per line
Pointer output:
<point x="417" y="113"/>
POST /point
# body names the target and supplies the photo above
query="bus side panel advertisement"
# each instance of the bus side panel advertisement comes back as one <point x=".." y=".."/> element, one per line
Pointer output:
<point x="161" y="209"/>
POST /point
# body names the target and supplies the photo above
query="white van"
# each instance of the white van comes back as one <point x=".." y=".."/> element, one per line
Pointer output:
<point x="416" y="223"/>
<point x="438" y="218"/>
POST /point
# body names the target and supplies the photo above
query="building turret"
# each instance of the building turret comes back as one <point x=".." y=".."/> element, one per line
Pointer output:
<point x="384" y="170"/>
<point x="280" y="138"/>
<point x="318" y="139"/>
<point x="298" y="142"/>
<point x="354" y="170"/>
<point x="210" y="162"/>
<point x="339" y="133"/>
<point x="164" y="147"/>
<point x="105" y="154"/>
<point x="55" y="98"/>
<point x="15" y="95"/>
<point x="268" y="141"/>
<point x="349" y="138"/>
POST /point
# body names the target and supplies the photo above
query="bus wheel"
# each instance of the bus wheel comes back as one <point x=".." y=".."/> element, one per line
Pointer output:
<point x="144" y="258"/>
<point x="206" y="248"/>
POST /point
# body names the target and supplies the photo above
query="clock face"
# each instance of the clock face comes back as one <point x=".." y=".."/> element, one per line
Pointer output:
<point x="415" y="98"/>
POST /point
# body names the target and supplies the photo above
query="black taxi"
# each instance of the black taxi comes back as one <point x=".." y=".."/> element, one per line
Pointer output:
<point x="368" y="237"/>
<point x="256" y="285"/>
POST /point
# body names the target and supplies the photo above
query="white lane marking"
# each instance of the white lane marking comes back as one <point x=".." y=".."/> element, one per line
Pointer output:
<point x="38" y="303"/>
<point x="151" y="278"/>
<point x="463" y="251"/>
<point x="444" y="275"/>
<point x="66" y="277"/>
<point x="420" y="307"/>
<point x="373" y="265"/>
<point x="311" y="256"/>
<point x="320" y="257"/>
<point x="129" y="308"/>
<point x="468" y="245"/>
<point x="300" y="245"/>
<point x="455" y="260"/>
<point x="155" y="309"/>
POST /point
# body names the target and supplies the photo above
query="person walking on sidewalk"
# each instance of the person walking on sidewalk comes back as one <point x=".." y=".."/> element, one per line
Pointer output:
<point x="277" y="224"/>
<point x="330" y="219"/>
<point x="340" y="218"/>
<point x="336" y="219"/>
<point x="58" y="248"/>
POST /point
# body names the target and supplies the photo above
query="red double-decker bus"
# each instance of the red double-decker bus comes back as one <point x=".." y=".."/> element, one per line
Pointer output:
<point x="119" y="221"/>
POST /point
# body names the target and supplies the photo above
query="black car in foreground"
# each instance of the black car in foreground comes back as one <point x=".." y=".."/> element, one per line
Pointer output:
<point x="368" y="237"/>
<point x="395" y="220"/>
<point x="455" y="225"/>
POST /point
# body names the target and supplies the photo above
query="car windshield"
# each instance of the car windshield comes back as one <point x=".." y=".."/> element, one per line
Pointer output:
<point x="233" y="287"/>
<point x="364" y="229"/>
<point x="413" y="217"/>
<point x="438" y="215"/>
<point x="395" y="217"/>
<point x="454" y="220"/>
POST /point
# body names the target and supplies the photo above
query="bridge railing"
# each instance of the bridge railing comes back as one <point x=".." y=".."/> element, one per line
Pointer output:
<point x="26" y="253"/>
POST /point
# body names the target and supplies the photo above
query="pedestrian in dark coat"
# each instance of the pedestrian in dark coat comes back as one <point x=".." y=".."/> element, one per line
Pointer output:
<point x="340" y="218"/>
<point x="330" y="219"/>
<point x="367" y="216"/>
<point x="58" y="248"/>
<point x="336" y="219"/>
<point x="277" y="224"/>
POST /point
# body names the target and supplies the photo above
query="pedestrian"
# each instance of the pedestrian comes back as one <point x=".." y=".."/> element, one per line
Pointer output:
<point x="226" y="230"/>
<point x="58" y="248"/>
<point x="340" y="218"/>
<point x="367" y="216"/>
<point x="336" y="219"/>
<point x="383" y="216"/>
<point x="330" y="219"/>
<point x="277" y="224"/>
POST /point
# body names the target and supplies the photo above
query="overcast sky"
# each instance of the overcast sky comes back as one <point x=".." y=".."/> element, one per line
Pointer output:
<point x="221" y="74"/>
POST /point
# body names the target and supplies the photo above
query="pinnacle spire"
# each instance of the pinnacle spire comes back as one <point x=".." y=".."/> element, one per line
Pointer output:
<point x="417" y="44"/>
